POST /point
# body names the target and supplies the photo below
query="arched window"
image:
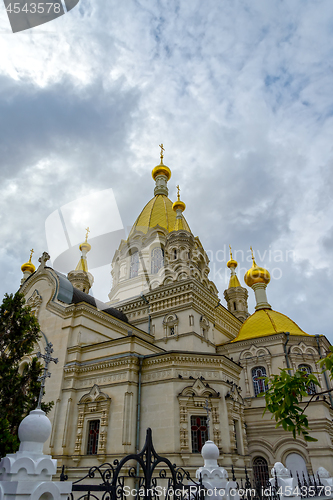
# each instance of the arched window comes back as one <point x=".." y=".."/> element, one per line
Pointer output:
<point x="311" y="388"/>
<point x="199" y="434"/>
<point x="134" y="269"/>
<point x="259" y="383"/>
<point x="157" y="259"/>
<point x="260" y="472"/>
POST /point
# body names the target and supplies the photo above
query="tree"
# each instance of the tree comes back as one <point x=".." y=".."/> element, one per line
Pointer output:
<point x="19" y="333"/>
<point x="286" y="392"/>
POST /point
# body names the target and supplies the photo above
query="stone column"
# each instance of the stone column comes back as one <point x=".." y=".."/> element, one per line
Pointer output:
<point x="27" y="474"/>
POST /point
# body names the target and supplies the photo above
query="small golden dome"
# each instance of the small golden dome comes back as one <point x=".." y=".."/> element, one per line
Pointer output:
<point x="232" y="262"/>
<point x="178" y="205"/>
<point x="28" y="266"/>
<point x="161" y="170"/>
<point x="256" y="274"/>
<point x="85" y="246"/>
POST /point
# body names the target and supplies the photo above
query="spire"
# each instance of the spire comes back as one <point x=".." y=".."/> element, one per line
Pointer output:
<point x="28" y="268"/>
<point x="161" y="174"/>
<point x="80" y="277"/>
<point x="178" y="207"/>
<point x="258" y="278"/>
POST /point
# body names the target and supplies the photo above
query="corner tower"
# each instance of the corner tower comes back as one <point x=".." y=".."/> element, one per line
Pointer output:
<point x="235" y="295"/>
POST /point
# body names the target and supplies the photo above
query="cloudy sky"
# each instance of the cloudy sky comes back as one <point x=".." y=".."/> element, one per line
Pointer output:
<point x="239" y="92"/>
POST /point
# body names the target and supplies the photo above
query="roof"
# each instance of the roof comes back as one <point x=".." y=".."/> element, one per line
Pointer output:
<point x="68" y="294"/>
<point x="157" y="212"/>
<point x="265" y="322"/>
<point x="79" y="296"/>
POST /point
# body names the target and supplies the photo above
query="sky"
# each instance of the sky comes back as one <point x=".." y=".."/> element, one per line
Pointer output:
<point x="240" y="94"/>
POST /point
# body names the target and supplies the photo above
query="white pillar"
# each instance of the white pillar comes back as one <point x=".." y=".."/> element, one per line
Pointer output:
<point x="215" y="478"/>
<point x="261" y="296"/>
<point x="27" y="474"/>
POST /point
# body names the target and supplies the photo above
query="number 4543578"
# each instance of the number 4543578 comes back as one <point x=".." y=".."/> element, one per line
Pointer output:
<point x="33" y="8"/>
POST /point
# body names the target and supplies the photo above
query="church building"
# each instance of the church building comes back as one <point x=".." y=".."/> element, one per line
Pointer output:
<point x="164" y="352"/>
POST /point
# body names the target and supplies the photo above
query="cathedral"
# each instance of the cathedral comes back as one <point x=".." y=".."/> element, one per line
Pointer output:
<point x="164" y="352"/>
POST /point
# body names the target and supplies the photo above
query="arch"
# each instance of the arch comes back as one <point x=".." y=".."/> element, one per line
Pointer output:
<point x="296" y="464"/>
<point x="259" y="383"/>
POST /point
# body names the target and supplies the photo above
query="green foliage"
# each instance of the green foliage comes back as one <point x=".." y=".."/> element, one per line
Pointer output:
<point x="283" y="397"/>
<point x="327" y="363"/>
<point x="19" y="332"/>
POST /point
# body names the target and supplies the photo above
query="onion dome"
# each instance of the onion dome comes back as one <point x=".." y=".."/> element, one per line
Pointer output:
<point x="159" y="210"/>
<point x="28" y="266"/>
<point x="232" y="264"/>
<point x="178" y="205"/>
<point x="161" y="169"/>
<point x="256" y="274"/>
<point x="265" y="322"/>
<point x="85" y="246"/>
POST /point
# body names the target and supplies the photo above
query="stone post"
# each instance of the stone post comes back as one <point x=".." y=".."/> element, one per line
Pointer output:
<point x="215" y="478"/>
<point x="326" y="480"/>
<point x="27" y="474"/>
<point x="282" y="479"/>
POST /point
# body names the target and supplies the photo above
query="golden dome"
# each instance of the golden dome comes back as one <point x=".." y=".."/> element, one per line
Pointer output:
<point x="157" y="212"/>
<point x="266" y="322"/>
<point x="256" y="274"/>
<point x="232" y="263"/>
<point x="28" y="266"/>
<point x="161" y="170"/>
<point x="85" y="246"/>
<point x="178" y="205"/>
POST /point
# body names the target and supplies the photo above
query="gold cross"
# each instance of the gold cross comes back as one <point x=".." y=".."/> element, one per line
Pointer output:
<point x="88" y="231"/>
<point x="252" y="253"/>
<point x="31" y="252"/>
<point x="230" y="252"/>
<point x="178" y="192"/>
<point x="162" y="149"/>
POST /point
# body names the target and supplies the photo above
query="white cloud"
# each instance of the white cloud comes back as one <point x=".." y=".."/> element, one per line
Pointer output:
<point x="240" y="94"/>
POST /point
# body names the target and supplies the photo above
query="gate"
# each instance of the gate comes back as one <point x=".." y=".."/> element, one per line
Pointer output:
<point x="122" y="480"/>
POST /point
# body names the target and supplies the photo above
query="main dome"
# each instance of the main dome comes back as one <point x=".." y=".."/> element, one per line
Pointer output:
<point x="266" y="322"/>
<point x="157" y="212"/>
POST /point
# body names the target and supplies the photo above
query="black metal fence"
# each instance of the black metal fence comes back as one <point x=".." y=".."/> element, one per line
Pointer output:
<point x="147" y="475"/>
<point x="144" y="475"/>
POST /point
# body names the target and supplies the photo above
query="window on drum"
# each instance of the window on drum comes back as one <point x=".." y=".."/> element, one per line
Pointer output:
<point x="93" y="435"/>
<point x="258" y="382"/>
<point x="157" y="260"/>
<point x="199" y="434"/>
<point x="134" y="269"/>
<point x="311" y="389"/>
